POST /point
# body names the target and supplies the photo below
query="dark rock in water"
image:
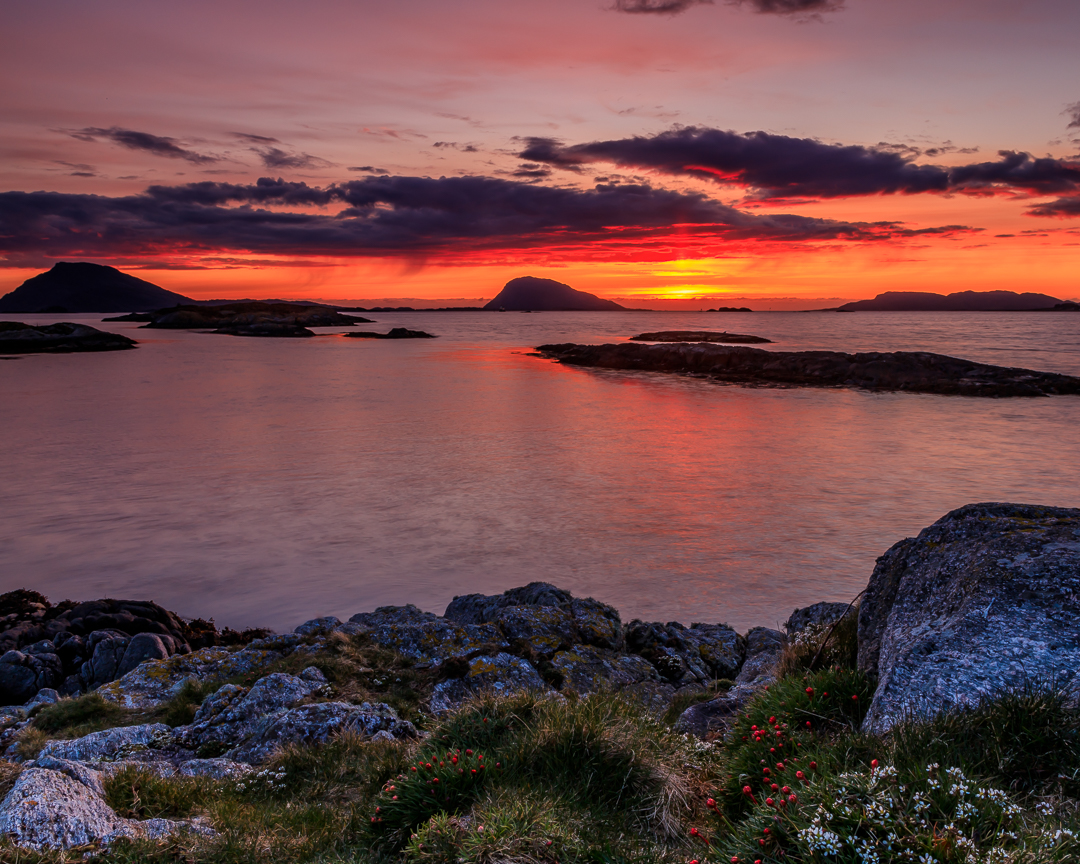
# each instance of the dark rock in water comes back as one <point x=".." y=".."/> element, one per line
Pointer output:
<point x="699" y="336"/>
<point x="252" y="319"/>
<point x="63" y="338"/>
<point x="395" y="333"/>
<point x="960" y="301"/>
<point x="531" y="294"/>
<point x="905" y="371"/>
<point x="84" y="287"/>
<point x="987" y="599"/>
<point x="1067" y="306"/>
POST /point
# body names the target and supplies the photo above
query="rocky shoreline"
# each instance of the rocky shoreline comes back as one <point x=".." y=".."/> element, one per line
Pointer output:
<point x="899" y="371"/>
<point x="61" y="338"/>
<point x="984" y="601"/>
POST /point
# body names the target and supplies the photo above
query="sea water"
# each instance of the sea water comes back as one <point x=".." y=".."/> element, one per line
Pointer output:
<point x="263" y="482"/>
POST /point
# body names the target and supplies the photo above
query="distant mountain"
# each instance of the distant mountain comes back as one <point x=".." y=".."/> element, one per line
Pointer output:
<point x="530" y="294"/>
<point x="84" y="287"/>
<point x="961" y="301"/>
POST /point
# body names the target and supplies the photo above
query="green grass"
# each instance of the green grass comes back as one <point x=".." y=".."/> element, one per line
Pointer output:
<point x="599" y="780"/>
<point x="73" y="718"/>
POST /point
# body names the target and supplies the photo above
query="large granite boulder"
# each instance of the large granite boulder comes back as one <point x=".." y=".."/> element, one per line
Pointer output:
<point x="424" y="636"/>
<point x="155" y="682"/>
<point x="501" y="675"/>
<point x="986" y="599"/>
<point x="582" y="620"/>
<point x="22" y="674"/>
<point x="317" y="724"/>
<point x="684" y="655"/>
<point x="586" y="669"/>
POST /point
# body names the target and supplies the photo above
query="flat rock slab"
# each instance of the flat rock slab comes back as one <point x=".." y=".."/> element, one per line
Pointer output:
<point x="724" y="337"/>
<point x="62" y="338"/>
<point x="901" y="371"/>
<point x="395" y="333"/>
<point x="985" y="600"/>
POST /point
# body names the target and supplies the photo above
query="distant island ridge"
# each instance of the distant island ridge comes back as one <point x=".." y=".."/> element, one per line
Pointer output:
<point x="84" y="287"/>
<point x="961" y="301"/>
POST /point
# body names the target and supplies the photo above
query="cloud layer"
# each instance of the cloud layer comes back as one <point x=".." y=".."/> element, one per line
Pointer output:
<point x="144" y="141"/>
<point x="779" y="167"/>
<point x="395" y="216"/>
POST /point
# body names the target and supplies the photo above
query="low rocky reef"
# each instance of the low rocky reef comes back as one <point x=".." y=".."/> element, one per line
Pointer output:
<point x="700" y="336"/>
<point x="62" y="338"/>
<point x="246" y="319"/>
<point x="395" y="333"/>
<point x="902" y="371"/>
<point x="984" y="602"/>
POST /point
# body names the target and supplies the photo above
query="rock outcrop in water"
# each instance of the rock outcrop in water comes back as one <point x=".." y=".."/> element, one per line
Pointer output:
<point x="531" y="294"/>
<point x="85" y="287"/>
<point x="395" y="333"/>
<point x="724" y="338"/>
<point x="987" y="599"/>
<point x="903" y="371"/>
<point x="63" y="338"/>
<point x="247" y="319"/>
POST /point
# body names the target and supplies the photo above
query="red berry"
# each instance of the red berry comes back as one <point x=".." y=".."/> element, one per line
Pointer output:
<point x="769" y="801"/>
<point x="855" y="696"/>
<point x="809" y="691"/>
<point x="873" y="763"/>
<point x="813" y="766"/>
<point x="710" y="803"/>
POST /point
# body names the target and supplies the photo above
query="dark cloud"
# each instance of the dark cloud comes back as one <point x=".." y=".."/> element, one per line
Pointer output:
<point x="779" y="167"/>
<point x="144" y="141"/>
<point x="657" y="7"/>
<point x="391" y="216"/>
<point x="791" y="7"/>
<point x="255" y="139"/>
<point x="1073" y="113"/>
<point x="1062" y="207"/>
<point x="766" y="7"/>
<point x="367" y="169"/>
<point x="274" y="157"/>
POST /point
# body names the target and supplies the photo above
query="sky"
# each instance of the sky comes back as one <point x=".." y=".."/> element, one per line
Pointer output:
<point x="783" y="153"/>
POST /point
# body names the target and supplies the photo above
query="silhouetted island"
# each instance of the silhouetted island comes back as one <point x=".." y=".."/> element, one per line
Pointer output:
<point x="699" y="336"/>
<point x="531" y="294"/>
<point x="84" y="287"/>
<point x="246" y="319"/>
<point x="62" y="338"/>
<point x="961" y="301"/>
<point x="395" y="333"/>
<point x="908" y="371"/>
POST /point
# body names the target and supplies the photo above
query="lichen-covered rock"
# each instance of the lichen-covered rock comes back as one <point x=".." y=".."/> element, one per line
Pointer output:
<point x="156" y="681"/>
<point x="49" y="810"/>
<point x="986" y="599"/>
<point x="216" y="769"/>
<point x="684" y="655"/>
<point x="318" y="625"/>
<point x="317" y="724"/>
<point x="763" y="650"/>
<point x="385" y="615"/>
<point x="591" y="622"/>
<point x="544" y="629"/>
<point x="819" y="615"/>
<point x="156" y="829"/>
<point x="78" y="771"/>
<point x="111" y="745"/>
<point x="586" y="669"/>
<point x="436" y="639"/>
<point x="501" y="674"/>
<point x="231" y="713"/>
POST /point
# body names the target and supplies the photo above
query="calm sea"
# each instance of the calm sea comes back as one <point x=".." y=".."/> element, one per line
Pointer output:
<point x="264" y="481"/>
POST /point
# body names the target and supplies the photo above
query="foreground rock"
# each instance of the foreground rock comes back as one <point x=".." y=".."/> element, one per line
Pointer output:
<point x="63" y="338"/>
<point x="247" y="319"/>
<point x="699" y="336"/>
<point x="395" y="333"/>
<point x="985" y="600"/>
<point x="907" y="371"/>
<point x="48" y="809"/>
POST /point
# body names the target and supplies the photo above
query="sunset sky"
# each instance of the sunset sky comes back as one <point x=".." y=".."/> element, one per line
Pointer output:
<point x="785" y="152"/>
